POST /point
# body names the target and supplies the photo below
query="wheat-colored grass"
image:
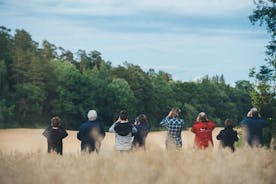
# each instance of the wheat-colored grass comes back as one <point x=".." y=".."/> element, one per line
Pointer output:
<point x="24" y="160"/>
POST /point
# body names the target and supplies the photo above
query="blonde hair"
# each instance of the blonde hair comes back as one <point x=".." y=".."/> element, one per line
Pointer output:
<point x="202" y="117"/>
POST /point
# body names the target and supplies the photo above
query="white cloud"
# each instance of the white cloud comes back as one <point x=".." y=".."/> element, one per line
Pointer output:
<point x="132" y="7"/>
<point x="186" y="51"/>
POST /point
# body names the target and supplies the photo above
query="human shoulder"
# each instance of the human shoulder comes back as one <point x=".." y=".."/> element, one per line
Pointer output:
<point x="211" y="123"/>
<point x="247" y="119"/>
<point x="197" y="124"/>
<point x="176" y="120"/>
<point x="86" y="124"/>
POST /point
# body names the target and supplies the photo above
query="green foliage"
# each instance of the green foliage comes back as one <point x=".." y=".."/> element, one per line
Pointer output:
<point x="73" y="93"/>
<point x="29" y="99"/>
<point x="40" y="82"/>
<point x="263" y="97"/>
<point x="6" y="113"/>
<point x="265" y="13"/>
<point x="263" y="92"/>
<point x="120" y="96"/>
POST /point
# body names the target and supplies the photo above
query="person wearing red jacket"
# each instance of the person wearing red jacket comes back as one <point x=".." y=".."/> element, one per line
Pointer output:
<point x="202" y="129"/>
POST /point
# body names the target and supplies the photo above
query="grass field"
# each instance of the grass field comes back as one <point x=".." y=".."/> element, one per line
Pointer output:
<point x="24" y="160"/>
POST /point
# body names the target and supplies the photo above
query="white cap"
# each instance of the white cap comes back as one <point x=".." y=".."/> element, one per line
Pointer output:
<point x="92" y="115"/>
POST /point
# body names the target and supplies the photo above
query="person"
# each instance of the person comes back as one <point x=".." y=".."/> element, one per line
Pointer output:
<point x="174" y="127"/>
<point x="54" y="134"/>
<point x="254" y="125"/>
<point x="203" y="129"/>
<point x="228" y="136"/>
<point x="91" y="133"/>
<point x="142" y="127"/>
<point x="124" y="131"/>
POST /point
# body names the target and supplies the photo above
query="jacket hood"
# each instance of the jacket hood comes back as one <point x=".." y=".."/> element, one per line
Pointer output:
<point x="123" y="129"/>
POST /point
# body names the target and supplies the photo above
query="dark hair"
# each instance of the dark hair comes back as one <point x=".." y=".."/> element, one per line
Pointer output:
<point x="142" y="118"/>
<point x="123" y="115"/>
<point x="228" y="123"/>
<point x="55" y="121"/>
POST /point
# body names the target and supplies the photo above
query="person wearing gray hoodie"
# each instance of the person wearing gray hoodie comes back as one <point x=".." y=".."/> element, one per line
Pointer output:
<point x="124" y="131"/>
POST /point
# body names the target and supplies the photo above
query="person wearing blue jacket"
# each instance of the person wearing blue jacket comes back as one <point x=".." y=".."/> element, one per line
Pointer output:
<point x="254" y="125"/>
<point x="141" y="124"/>
<point x="91" y="133"/>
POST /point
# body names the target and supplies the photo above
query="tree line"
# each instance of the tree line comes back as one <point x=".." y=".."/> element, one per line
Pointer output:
<point x="40" y="81"/>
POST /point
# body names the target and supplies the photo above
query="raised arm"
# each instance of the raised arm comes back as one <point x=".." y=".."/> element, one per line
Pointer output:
<point x="63" y="132"/>
<point x="46" y="132"/>
<point x="194" y="129"/>
<point x="80" y="134"/>
<point x="265" y="123"/>
<point x="102" y="132"/>
<point x="236" y="138"/>
<point x="220" y="135"/>
<point x="182" y="122"/>
<point x="134" y="130"/>
<point x="164" y="122"/>
<point x="111" y="129"/>
<point x="243" y="122"/>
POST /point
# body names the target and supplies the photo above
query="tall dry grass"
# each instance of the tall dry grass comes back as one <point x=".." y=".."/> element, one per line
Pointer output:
<point x="155" y="165"/>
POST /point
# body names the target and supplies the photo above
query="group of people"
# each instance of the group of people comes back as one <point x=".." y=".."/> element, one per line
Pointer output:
<point x="128" y="135"/>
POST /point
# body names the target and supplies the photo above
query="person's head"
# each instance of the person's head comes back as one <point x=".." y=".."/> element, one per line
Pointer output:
<point x="228" y="123"/>
<point x="55" y="121"/>
<point x="202" y="117"/>
<point x="123" y="115"/>
<point x="254" y="112"/>
<point x="142" y="118"/>
<point x="92" y="115"/>
<point x="175" y="112"/>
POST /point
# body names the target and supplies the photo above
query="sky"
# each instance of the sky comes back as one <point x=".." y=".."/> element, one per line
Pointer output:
<point x="186" y="38"/>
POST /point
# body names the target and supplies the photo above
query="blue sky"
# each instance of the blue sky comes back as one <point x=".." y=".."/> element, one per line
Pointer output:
<point x="188" y="39"/>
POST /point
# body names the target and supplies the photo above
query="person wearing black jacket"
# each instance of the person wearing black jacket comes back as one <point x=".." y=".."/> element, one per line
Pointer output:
<point x="228" y="136"/>
<point x="54" y="134"/>
<point x="91" y="133"/>
<point x="124" y="131"/>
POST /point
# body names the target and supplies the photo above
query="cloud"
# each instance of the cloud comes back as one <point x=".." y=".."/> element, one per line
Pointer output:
<point x="186" y="38"/>
<point x="132" y="7"/>
<point x="195" y="17"/>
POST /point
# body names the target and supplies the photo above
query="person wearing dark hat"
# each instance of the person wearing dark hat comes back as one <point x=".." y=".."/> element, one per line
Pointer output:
<point x="91" y="133"/>
<point x="54" y="134"/>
